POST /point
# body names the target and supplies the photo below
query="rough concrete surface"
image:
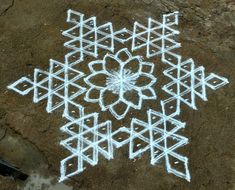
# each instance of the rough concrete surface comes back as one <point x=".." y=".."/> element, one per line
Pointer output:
<point x="30" y="34"/>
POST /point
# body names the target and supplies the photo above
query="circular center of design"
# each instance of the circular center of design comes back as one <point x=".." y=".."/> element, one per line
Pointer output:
<point x="123" y="80"/>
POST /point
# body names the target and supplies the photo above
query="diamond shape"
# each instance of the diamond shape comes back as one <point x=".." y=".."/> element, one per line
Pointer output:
<point x="23" y="86"/>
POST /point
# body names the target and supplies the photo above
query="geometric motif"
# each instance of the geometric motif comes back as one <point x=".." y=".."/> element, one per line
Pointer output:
<point x="118" y="82"/>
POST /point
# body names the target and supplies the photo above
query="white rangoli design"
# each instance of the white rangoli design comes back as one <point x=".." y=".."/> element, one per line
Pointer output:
<point x="119" y="82"/>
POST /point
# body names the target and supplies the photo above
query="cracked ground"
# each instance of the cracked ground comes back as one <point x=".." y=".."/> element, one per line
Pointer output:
<point x="30" y="34"/>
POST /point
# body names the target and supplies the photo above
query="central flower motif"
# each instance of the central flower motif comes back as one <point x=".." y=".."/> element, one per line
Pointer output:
<point x="120" y="82"/>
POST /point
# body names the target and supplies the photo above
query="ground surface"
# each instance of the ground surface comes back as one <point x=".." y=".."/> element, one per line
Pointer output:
<point x="30" y="34"/>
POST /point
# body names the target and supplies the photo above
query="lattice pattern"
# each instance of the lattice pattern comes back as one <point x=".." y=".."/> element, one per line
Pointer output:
<point x="188" y="82"/>
<point x="88" y="140"/>
<point x="156" y="37"/>
<point x="159" y="136"/>
<point x="88" y="137"/>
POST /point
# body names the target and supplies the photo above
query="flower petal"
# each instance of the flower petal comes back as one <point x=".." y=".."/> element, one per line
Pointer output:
<point x="145" y="80"/>
<point x="96" y="66"/>
<point x="92" y="95"/>
<point x="133" y="65"/>
<point x="107" y="98"/>
<point x="119" y="110"/>
<point x="97" y="80"/>
<point x="111" y="64"/>
<point x="123" y="54"/>
<point x="133" y="98"/>
<point x="147" y="67"/>
<point x="149" y="93"/>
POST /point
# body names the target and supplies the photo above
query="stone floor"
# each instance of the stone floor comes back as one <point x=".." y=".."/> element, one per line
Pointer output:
<point x="30" y="34"/>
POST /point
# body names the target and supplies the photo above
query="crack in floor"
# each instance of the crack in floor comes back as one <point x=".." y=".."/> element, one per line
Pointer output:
<point x="7" y="9"/>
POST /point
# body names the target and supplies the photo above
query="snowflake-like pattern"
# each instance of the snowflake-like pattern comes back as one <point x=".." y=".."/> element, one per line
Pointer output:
<point x="121" y="80"/>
